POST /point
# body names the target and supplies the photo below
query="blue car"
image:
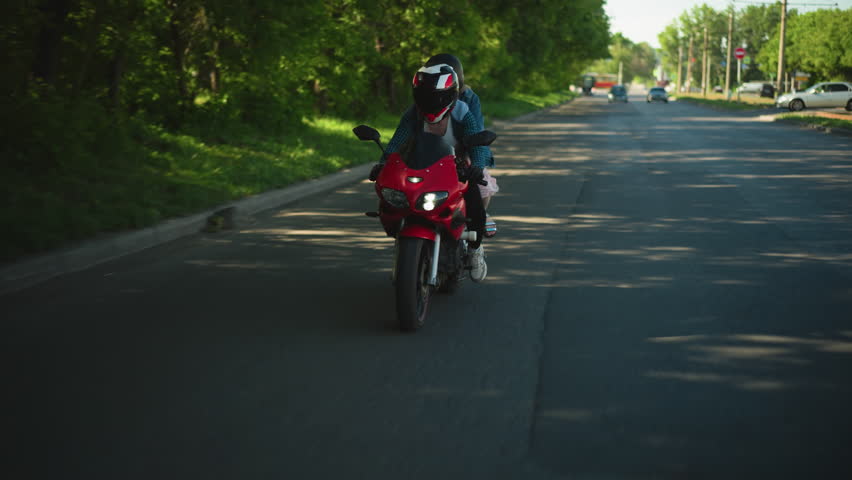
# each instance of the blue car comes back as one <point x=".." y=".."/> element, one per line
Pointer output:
<point x="617" y="94"/>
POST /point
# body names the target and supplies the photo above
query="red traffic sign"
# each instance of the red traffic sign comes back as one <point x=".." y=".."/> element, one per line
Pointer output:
<point x="740" y="53"/>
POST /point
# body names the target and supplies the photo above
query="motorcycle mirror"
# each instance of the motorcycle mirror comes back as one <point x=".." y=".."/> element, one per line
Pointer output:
<point x="480" y="139"/>
<point x="364" y="132"/>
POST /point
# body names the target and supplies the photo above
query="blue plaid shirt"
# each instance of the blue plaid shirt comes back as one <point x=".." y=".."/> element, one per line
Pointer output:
<point x="466" y="118"/>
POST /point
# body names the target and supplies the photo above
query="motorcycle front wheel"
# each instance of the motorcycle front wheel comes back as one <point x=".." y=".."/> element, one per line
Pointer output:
<point x="412" y="288"/>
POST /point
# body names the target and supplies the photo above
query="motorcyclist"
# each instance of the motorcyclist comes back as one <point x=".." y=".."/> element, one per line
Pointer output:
<point x="468" y="96"/>
<point x="438" y="110"/>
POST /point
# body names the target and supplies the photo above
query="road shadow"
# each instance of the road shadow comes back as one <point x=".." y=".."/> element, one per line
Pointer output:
<point x="698" y="324"/>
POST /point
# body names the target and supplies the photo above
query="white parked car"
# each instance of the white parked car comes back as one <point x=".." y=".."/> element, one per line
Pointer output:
<point x="821" y="95"/>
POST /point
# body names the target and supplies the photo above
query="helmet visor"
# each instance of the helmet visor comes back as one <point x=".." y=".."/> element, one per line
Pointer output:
<point x="430" y="101"/>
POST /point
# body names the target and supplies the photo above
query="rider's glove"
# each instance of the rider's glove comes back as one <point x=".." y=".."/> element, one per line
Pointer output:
<point x="476" y="175"/>
<point x="374" y="172"/>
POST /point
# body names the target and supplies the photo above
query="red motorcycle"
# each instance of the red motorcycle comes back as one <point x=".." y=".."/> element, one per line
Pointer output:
<point x="422" y="205"/>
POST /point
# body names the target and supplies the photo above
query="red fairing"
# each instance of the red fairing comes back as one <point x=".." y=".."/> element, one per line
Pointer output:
<point x="418" y="231"/>
<point x="439" y="177"/>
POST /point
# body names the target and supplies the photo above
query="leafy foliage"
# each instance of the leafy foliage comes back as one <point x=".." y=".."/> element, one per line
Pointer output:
<point x="118" y="113"/>
<point x="817" y="42"/>
<point x="637" y="59"/>
<point x="268" y="62"/>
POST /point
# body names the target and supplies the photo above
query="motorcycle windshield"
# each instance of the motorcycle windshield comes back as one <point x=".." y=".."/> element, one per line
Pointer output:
<point x="428" y="149"/>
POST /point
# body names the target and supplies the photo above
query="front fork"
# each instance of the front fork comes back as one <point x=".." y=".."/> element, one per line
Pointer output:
<point x="433" y="268"/>
<point x="436" y="254"/>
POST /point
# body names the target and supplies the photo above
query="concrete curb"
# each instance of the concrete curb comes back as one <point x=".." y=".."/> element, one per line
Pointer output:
<point x="38" y="269"/>
<point x="813" y="126"/>
<point x="32" y="271"/>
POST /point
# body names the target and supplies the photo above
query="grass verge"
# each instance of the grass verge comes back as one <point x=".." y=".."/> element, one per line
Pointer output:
<point x="64" y="184"/>
<point x="517" y="104"/>
<point x="158" y="175"/>
<point x="720" y="101"/>
<point x="817" y="120"/>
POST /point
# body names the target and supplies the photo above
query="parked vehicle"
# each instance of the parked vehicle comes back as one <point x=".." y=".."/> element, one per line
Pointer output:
<point x="657" y="94"/>
<point x="422" y="205"/>
<point x="618" y="93"/>
<point x="763" y="89"/>
<point x="821" y="95"/>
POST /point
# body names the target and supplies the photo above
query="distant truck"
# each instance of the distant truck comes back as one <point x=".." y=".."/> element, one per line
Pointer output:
<point x="588" y="84"/>
<point x="600" y="81"/>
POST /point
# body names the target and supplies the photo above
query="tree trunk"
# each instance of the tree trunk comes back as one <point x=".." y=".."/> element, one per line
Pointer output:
<point x="320" y="97"/>
<point x="392" y="90"/>
<point x="179" y="51"/>
<point x="214" y="68"/>
<point x="90" y="45"/>
<point x="49" y="42"/>
<point x="116" y="73"/>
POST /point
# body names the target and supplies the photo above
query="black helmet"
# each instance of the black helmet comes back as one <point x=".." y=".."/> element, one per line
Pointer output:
<point x="436" y="89"/>
<point x="450" y="60"/>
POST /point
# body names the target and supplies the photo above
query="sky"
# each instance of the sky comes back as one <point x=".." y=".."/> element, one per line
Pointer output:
<point x="642" y="21"/>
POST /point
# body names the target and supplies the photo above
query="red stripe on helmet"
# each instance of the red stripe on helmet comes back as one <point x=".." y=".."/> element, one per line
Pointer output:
<point x="434" y="117"/>
<point x="449" y="82"/>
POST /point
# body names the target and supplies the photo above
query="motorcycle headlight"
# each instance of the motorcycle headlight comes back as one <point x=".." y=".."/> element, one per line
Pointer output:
<point x="395" y="198"/>
<point x="431" y="200"/>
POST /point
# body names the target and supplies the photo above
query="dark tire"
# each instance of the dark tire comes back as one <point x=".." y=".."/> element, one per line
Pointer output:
<point x="797" y="105"/>
<point x="412" y="290"/>
<point x="849" y="106"/>
<point x="453" y="280"/>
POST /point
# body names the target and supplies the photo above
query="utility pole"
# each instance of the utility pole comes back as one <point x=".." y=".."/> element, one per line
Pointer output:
<point x="689" y="67"/>
<point x="779" y="81"/>
<point x="620" y="69"/>
<point x="679" y="63"/>
<point x="704" y="67"/>
<point x="728" y="61"/>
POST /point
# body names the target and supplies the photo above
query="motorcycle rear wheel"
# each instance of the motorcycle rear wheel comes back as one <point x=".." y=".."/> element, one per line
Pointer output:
<point x="412" y="289"/>
<point x="454" y="280"/>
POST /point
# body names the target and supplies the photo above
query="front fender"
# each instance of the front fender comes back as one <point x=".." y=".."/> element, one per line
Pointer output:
<point x="417" y="231"/>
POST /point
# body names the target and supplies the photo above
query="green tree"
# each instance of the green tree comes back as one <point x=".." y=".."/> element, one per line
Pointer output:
<point x="818" y="42"/>
<point x="672" y="44"/>
<point x="754" y="28"/>
<point x="637" y="60"/>
<point x="691" y="24"/>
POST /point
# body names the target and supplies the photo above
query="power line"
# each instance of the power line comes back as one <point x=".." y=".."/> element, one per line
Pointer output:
<point x="797" y="4"/>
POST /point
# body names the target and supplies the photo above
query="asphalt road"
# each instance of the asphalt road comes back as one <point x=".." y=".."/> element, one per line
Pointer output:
<point x="669" y="296"/>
